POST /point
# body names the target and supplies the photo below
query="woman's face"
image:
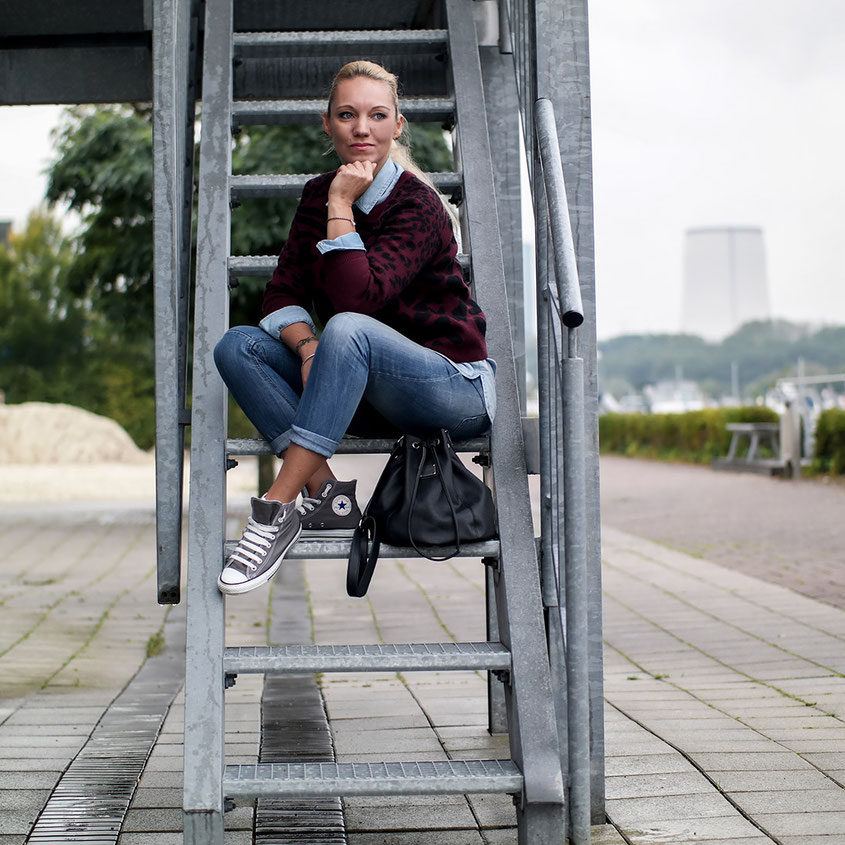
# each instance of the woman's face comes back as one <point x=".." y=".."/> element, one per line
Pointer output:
<point x="363" y="121"/>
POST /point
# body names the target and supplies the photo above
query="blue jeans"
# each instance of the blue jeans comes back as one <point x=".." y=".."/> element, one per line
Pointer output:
<point x="366" y="379"/>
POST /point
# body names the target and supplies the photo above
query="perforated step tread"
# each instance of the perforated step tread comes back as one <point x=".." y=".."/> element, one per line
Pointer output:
<point x="251" y="186"/>
<point x="308" y="549"/>
<point x="264" y="265"/>
<point x="349" y="446"/>
<point x="387" y="657"/>
<point x="304" y="111"/>
<point x="264" y="780"/>
<point x="339" y="42"/>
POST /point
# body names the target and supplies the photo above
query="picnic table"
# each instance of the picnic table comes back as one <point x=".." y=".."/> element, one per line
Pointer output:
<point x="758" y="434"/>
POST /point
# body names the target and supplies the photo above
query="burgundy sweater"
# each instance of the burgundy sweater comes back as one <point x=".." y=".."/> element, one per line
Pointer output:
<point x="409" y="277"/>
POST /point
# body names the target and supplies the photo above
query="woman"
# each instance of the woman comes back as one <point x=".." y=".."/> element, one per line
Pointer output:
<point x="372" y="253"/>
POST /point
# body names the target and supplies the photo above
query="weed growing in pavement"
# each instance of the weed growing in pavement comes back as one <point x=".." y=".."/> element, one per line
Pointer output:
<point x="155" y="644"/>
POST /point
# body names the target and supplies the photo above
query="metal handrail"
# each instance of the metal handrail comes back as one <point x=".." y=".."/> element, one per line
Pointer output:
<point x="562" y="386"/>
<point x="549" y="39"/>
<point x="566" y="267"/>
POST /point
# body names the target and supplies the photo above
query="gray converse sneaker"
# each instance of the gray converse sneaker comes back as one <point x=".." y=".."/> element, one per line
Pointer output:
<point x="270" y="531"/>
<point x="333" y="510"/>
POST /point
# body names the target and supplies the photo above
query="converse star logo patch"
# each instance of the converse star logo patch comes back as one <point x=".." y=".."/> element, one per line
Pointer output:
<point x="341" y="505"/>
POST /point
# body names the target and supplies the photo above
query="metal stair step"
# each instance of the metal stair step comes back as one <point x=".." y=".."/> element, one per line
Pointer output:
<point x="315" y="780"/>
<point x="291" y="184"/>
<point x="264" y="265"/>
<point x="305" y="111"/>
<point x="338" y="549"/>
<point x="373" y="42"/>
<point x="321" y="15"/>
<point x="381" y="657"/>
<point x="349" y="446"/>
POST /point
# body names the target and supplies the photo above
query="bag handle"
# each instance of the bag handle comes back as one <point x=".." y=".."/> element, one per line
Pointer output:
<point x="362" y="561"/>
<point x="363" y="557"/>
<point x="424" y="446"/>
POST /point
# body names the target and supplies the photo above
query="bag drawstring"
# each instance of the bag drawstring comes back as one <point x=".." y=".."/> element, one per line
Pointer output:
<point x="424" y="448"/>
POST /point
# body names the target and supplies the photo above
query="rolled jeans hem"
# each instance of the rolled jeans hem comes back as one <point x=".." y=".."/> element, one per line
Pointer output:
<point x="313" y="442"/>
<point x="280" y="443"/>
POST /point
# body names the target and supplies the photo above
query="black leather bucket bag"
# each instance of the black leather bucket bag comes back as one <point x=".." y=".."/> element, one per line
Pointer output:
<point x="424" y="497"/>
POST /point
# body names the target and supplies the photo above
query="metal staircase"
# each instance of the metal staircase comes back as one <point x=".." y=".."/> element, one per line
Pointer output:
<point x="288" y="70"/>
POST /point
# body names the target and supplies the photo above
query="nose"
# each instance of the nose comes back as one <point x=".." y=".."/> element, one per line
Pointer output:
<point x="361" y="126"/>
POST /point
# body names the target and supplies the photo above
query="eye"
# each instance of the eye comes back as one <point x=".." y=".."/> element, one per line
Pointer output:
<point x="379" y="116"/>
<point x="345" y="115"/>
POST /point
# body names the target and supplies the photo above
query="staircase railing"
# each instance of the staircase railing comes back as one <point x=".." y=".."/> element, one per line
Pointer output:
<point x="569" y="527"/>
<point x="561" y="376"/>
<point x="549" y="42"/>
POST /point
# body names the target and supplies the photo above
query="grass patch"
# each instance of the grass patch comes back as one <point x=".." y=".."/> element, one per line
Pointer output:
<point x="155" y="644"/>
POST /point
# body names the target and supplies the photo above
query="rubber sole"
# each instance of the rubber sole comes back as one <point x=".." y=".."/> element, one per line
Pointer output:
<point x="259" y="581"/>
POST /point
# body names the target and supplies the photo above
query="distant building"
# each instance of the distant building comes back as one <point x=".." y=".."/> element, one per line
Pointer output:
<point x="674" y="397"/>
<point x="725" y="282"/>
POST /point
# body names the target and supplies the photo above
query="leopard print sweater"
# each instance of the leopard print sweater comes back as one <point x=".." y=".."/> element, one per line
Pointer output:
<point x="408" y="278"/>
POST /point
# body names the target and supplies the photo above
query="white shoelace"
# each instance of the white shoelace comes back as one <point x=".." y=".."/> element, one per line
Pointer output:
<point x="308" y="505"/>
<point x="254" y="544"/>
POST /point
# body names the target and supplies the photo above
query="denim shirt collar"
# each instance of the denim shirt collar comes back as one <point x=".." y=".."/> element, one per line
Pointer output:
<point x="381" y="187"/>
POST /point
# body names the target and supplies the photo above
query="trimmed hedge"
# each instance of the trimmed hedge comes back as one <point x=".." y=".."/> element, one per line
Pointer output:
<point x="830" y="443"/>
<point x="695" y="437"/>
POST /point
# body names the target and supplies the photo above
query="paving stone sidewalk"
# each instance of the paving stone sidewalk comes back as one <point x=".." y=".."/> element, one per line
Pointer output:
<point x="725" y="693"/>
<point x="726" y="703"/>
<point x="785" y="531"/>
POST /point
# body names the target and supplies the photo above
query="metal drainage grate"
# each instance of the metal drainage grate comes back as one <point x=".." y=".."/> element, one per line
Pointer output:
<point x="295" y="729"/>
<point x="90" y="801"/>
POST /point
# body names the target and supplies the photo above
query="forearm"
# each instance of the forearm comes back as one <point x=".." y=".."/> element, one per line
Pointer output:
<point x="340" y="218"/>
<point x="299" y="338"/>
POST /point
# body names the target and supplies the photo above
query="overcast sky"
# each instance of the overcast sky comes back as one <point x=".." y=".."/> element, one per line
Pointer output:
<point x="724" y="112"/>
<point x="716" y="113"/>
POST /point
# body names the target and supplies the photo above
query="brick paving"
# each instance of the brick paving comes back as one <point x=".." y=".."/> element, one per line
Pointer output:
<point x="783" y="531"/>
<point x="76" y="617"/>
<point x="726" y="705"/>
<point x="725" y="693"/>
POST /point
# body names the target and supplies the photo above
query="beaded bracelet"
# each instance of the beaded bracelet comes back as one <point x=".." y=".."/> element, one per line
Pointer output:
<point x="347" y="219"/>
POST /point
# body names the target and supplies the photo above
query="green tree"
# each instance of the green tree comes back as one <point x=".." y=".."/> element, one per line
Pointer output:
<point x="764" y="350"/>
<point x="42" y="325"/>
<point x="103" y="171"/>
<point x="55" y="347"/>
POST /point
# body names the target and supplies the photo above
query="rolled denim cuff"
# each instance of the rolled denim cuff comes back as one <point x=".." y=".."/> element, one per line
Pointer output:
<point x="280" y="444"/>
<point x="280" y="319"/>
<point x="311" y="441"/>
<point x="351" y="240"/>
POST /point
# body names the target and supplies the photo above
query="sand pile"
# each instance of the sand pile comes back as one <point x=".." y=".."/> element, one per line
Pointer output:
<point x="43" y="433"/>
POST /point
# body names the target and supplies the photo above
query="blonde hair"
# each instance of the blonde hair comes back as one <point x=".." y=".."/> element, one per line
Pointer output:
<point x="400" y="150"/>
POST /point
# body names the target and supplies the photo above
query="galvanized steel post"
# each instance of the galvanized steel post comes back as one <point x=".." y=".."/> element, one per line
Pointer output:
<point x="577" y="643"/>
<point x="173" y="142"/>
<point x="533" y="731"/>
<point x="204" y="737"/>
<point x="502" y="107"/>
<point x="567" y="311"/>
<point x="563" y="75"/>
